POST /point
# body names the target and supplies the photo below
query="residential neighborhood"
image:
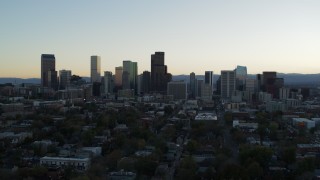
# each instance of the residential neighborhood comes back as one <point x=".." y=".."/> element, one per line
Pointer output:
<point x="157" y="136"/>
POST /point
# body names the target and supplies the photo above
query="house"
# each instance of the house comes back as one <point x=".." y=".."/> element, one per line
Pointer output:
<point x="95" y="151"/>
<point x="78" y="163"/>
<point x="303" y="122"/>
<point x="206" y="117"/>
<point x="122" y="175"/>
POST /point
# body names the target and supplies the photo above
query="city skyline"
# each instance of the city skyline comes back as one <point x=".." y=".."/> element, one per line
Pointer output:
<point x="211" y="35"/>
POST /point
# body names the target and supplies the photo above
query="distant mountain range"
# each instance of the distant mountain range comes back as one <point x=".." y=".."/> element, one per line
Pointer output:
<point x="289" y="79"/>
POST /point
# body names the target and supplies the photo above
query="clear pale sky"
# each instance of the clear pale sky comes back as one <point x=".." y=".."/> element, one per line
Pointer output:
<point x="196" y="36"/>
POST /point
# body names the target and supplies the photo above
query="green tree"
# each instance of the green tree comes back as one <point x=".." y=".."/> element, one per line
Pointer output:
<point x="198" y="129"/>
<point x="39" y="172"/>
<point x="238" y="135"/>
<point x="57" y="136"/>
<point x="260" y="154"/>
<point x="231" y="171"/>
<point x="306" y="164"/>
<point x="127" y="164"/>
<point x="87" y="137"/>
<point x="146" y="166"/>
<point x="262" y="131"/>
<point x="168" y="110"/>
<point x="187" y="169"/>
<point x="82" y="177"/>
<point x="191" y="146"/>
<point x="113" y="158"/>
<point x="96" y="171"/>
<point x="228" y="117"/>
<point x="254" y="170"/>
<point x="273" y="127"/>
<point x="288" y="155"/>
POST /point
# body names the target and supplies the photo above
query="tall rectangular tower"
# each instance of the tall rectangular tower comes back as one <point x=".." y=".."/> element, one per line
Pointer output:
<point x="95" y="69"/>
<point x="228" y="83"/>
<point x="193" y="85"/>
<point x="108" y="82"/>
<point x="159" y="75"/>
<point x="53" y="79"/>
<point x="48" y="63"/>
<point x="208" y="78"/>
<point x="131" y="69"/>
<point x="64" y="78"/>
<point x="146" y="82"/>
<point x="241" y="76"/>
<point x="118" y="76"/>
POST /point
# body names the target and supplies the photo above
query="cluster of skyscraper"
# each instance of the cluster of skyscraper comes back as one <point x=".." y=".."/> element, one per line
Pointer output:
<point x="125" y="79"/>
<point x="49" y="75"/>
<point x="236" y="83"/>
<point x="233" y="84"/>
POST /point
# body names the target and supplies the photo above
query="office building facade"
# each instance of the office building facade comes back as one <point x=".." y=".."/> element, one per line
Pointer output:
<point x="48" y="63"/>
<point x="228" y="84"/>
<point x="241" y="76"/>
<point x="130" y="69"/>
<point x="95" y="69"/>
<point x="178" y="90"/>
<point x="208" y="78"/>
<point x="108" y="82"/>
<point x="193" y="85"/>
<point x="118" y="76"/>
<point x="159" y="74"/>
<point x="146" y="82"/>
<point x="64" y="78"/>
<point x="53" y="79"/>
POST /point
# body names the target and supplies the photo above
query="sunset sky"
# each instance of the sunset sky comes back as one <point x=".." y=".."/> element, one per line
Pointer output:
<point x="264" y="35"/>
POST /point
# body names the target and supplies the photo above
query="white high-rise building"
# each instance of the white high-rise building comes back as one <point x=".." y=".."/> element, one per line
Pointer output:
<point x="228" y="83"/>
<point x="95" y="69"/>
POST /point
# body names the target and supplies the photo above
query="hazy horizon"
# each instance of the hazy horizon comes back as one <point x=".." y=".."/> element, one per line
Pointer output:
<point x="282" y="36"/>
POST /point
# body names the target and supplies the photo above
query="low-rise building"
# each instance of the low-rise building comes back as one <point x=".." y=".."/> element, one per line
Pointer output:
<point x="248" y="127"/>
<point x="122" y="175"/>
<point x="206" y="117"/>
<point x="16" y="138"/>
<point x="95" y="151"/>
<point x="273" y="106"/>
<point x="303" y="122"/>
<point x="308" y="148"/>
<point x="78" y="163"/>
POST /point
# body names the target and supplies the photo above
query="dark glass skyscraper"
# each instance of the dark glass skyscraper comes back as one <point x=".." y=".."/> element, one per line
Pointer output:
<point x="208" y="78"/>
<point x="146" y="82"/>
<point x="48" y="64"/>
<point x="193" y="85"/>
<point x="159" y="75"/>
<point x="272" y="84"/>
